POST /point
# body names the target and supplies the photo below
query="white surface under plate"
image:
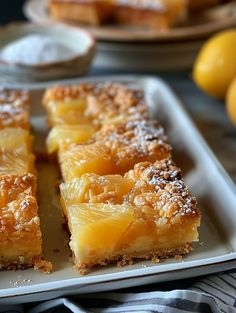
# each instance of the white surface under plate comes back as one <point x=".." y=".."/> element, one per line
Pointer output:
<point x="216" y="250"/>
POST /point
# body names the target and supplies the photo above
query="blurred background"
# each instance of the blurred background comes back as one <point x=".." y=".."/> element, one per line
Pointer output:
<point x="11" y="11"/>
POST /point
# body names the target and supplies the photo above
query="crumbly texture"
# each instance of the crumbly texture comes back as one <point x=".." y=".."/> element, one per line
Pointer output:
<point x="20" y="234"/>
<point x="104" y="102"/>
<point x="12" y="185"/>
<point x="134" y="141"/>
<point x="113" y="99"/>
<point x="144" y="206"/>
<point x="121" y="260"/>
<point x="163" y="189"/>
<point x="14" y="109"/>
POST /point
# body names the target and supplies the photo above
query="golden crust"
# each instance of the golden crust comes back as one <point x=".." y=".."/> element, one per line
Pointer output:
<point x="134" y="141"/>
<point x="67" y="93"/>
<point x="11" y="186"/>
<point x="160" y="186"/>
<point x="124" y="259"/>
<point x="20" y="235"/>
<point x="14" y="107"/>
<point x="103" y="101"/>
<point x="89" y="12"/>
<point x="150" y="13"/>
<point x="20" y="217"/>
<point x="113" y="99"/>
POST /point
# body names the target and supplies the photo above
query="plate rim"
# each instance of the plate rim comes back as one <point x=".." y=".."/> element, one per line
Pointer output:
<point x="147" y="271"/>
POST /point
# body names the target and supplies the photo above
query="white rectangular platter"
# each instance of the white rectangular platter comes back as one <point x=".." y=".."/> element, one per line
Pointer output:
<point x="216" y="193"/>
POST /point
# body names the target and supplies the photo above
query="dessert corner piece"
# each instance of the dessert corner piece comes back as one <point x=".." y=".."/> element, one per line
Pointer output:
<point x="20" y="235"/>
<point x="149" y="214"/>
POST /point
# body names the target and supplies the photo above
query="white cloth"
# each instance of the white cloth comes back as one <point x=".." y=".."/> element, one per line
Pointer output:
<point x="215" y="293"/>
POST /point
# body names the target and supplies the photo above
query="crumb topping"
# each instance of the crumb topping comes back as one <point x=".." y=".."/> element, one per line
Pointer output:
<point x="14" y="108"/>
<point x="19" y="218"/>
<point x="103" y="101"/>
<point x="67" y="93"/>
<point x="135" y="139"/>
<point x="12" y="185"/>
<point x="160" y="185"/>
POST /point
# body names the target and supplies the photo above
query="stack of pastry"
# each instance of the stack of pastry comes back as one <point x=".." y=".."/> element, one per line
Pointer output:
<point x="154" y="14"/>
<point x="20" y="235"/>
<point x="122" y="195"/>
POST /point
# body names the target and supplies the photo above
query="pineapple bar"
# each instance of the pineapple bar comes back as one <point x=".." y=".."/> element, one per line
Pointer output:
<point x="94" y="104"/>
<point x="20" y="235"/>
<point x="148" y="213"/>
<point x="153" y="14"/>
<point x="92" y="12"/>
<point x="116" y="149"/>
<point x="14" y="109"/>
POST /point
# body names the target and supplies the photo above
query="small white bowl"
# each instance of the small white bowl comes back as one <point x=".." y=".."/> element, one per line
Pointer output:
<point x="76" y="38"/>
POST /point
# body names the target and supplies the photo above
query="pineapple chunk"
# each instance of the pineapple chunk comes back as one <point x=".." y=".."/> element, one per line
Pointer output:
<point x="15" y="152"/>
<point x="97" y="228"/>
<point x="67" y="112"/>
<point x="67" y="134"/>
<point x="91" y="188"/>
<point x="16" y="161"/>
<point x="77" y="160"/>
<point x="11" y="138"/>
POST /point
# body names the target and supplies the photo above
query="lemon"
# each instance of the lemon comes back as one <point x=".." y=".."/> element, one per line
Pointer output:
<point x="231" y="101"/>
<point x="215" y="65"/>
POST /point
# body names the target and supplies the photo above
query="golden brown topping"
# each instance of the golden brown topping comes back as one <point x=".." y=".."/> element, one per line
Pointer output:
<point x="14" y="109"/>
<point x="140" y="139"/>
<point x="13" y="185"/>
<point x="17" y="99"/>
<point x="19" y="218"/>
<point x="103" y="101"/>
<point x="113" y="99"/>
<point x="160" y="186"/>
<point x="67" y="93"/>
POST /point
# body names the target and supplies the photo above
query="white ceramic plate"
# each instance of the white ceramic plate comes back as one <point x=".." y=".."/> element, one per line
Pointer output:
<point x="216" y="250"/>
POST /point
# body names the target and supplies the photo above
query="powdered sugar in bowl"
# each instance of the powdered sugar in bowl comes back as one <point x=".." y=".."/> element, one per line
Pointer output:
<point x="45" y="52"/>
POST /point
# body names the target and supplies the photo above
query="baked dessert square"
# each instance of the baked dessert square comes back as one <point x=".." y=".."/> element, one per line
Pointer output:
<point x="20" y="235"/>
<point x="92" y="12"/>
<point x="14" y="109"/>
<point x="115" y="149"/>
<point x="133" y="142"/>
<point x="94" y="103"/>
<point x="147" y="214"/>
<point x="153" y="14"/>
<point x="15" y="152"/>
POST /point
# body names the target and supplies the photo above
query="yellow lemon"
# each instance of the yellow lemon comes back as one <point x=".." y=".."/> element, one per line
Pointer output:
<point x="215" y="65"/>
<point x="231" y="101"/>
